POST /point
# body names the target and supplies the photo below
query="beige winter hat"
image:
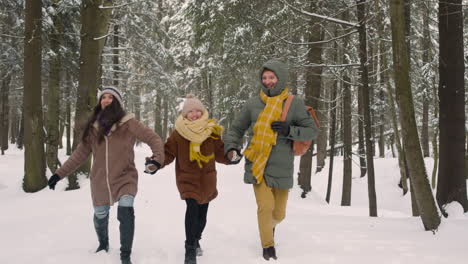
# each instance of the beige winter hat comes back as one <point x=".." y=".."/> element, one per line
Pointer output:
<point x="191" y="103"/>
<point x="116" y="93"/>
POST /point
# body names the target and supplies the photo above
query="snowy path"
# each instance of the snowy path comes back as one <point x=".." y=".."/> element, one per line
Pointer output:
<point x="56" y="227"/>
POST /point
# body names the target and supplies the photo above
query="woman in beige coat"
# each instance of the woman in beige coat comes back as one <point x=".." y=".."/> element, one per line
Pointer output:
<point x="110" y="136"/>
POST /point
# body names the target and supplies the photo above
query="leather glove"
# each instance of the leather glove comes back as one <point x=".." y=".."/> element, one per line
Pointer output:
<point x="53" y="181"/>
<point x="281" y="127"/>
<point x="234" y="156"/>
<point x="151" y="166"/>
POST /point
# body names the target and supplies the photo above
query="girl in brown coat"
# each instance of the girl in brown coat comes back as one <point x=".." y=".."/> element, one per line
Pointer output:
<point x="110" y="136"/>
<point x="196" y="145"/>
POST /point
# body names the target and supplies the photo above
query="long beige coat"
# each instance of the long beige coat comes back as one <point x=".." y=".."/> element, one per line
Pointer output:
<point x="113" y="172"/>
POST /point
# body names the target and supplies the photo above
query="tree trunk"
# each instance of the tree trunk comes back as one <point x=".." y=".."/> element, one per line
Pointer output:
<point x="435" y="135"/>
<point x="333" y="107"/>
<point x="426" y="46"/>
<point x="94" y="30"/>
<point x="4" y="111"/>
<point x="391" y="104"/>
<point x="361" y="8"/>
<point x="34" y="158"/>
<point x="347" y="127"/>
<point x="312" y="95"/>
<point x="417" y="172"/>
<point x="451" y="184"/>
<point x="157" y="115"/>
<point x="14" y="128"/>
<point x="20" y="141"/>
<point x="115" y="58"/>
<point x="53" y="101"/>
<point x="361" y="149"/>
<point x="165" y="120"/>
<point x="68" y="87"/>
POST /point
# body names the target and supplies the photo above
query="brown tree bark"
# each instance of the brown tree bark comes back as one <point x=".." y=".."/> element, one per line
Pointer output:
<point x="312" y="94"/>
<point x="417" y="171"/>
<point x="34" y="158"/>
<point x="53" y="101"/>
<point x="361" y="8"/>
<point x="451" y="184"/>
<point x="94" y="31"/>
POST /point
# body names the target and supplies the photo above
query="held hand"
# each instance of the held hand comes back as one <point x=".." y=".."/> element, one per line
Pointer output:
<point x="151" y="166"/>
<point x="234" y="156"/>
<point x="53" y="181"/>
<point x="280" y="127"/>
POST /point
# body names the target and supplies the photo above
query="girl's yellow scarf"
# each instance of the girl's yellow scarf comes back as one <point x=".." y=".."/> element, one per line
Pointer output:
<point x="196" y="132"/>
<point x="264" y="137"/>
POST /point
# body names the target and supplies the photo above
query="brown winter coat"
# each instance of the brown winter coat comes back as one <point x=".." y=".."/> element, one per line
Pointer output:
<point x="113" y="172"/>
<point x="192" y="181"/>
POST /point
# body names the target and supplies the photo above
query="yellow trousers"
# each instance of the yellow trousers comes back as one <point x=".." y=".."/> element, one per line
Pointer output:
<point x="271" y="210"/>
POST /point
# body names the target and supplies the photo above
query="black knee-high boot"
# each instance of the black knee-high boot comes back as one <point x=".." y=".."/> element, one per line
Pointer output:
<point x="126" y="217"/>
<point x="102" y="231"/>
<point x="190" y="253"/>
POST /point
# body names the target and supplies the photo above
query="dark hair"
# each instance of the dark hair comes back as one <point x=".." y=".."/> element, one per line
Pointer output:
<point x="106" y="118"/>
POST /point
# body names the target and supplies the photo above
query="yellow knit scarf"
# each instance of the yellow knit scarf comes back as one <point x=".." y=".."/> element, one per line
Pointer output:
<point x="264" y="137"/>
<point x="196" y="132"/>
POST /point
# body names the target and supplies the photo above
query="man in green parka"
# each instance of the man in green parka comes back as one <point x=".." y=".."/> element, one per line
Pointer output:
<point x="269" y="163"/>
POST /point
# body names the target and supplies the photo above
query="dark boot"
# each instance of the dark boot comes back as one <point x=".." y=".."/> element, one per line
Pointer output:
<point x="190" y="254"/>
<point x="126" y="217"/>
<point x="272" y="251"/>
<point x="199" y="250"/>
<point x="266" y="254"/>
<point x="269" y="253"/>
<point x="102" y="227"/>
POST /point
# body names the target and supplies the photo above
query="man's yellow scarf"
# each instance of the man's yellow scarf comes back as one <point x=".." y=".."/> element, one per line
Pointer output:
<point x="196" y="132"/>
<point x="264" y="137"/>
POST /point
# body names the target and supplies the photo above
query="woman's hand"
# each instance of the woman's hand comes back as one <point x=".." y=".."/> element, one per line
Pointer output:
<point x="234" y="156"/>
<point x="151" y="166"/>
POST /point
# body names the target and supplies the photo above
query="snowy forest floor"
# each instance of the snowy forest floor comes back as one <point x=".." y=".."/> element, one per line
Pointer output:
<point x="57" y="227"/>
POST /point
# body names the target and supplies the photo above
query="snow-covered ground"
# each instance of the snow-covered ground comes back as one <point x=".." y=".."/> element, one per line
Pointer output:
<point x="56" y="226"/>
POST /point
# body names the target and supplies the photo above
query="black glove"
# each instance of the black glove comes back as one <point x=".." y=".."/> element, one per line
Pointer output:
<point x="236" y="158"/>
<point x="281" y="127"/>
<point x="151" y="162"/>
<point x="53" y="181"/>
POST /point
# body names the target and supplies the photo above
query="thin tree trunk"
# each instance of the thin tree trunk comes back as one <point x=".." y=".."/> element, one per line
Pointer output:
<point x="426" y="46"/>
<point x="435" y="129"/>
<point x="158" y="115"/>
<point x="34" y="158"/>
<point x="20" y="141"/>
<point x="61" y="131"/>
<point x="333" y="106"/>
<point x="4" y="111"/>
<point x="361" y="149"/>
<point x="53" y="101"/>
<point x="451" y="184"/>
<point x="165" y="120"/>
<point x="115" y="58"/>
<point x="68" y="87"/>
<point x="347" y="127"/>
<point x="14" y="124"/>
<point x="312" y="95"/>
<point x="361" y="7"/>
<point x="417" y="171"/>
<point x="391" y="103"/>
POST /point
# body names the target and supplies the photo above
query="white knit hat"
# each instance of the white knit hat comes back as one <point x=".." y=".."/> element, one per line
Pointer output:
<point x="191" y="102"/>
<point x="116" y="93"/>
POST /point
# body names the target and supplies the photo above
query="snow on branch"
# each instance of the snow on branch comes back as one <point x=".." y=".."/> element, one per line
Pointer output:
<point x="116" y="6"/>
<point x="319" y="42"/>
<point x="11" y="36"/>
<point x="101" y="37"/>
<point x="331" y="19"/>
